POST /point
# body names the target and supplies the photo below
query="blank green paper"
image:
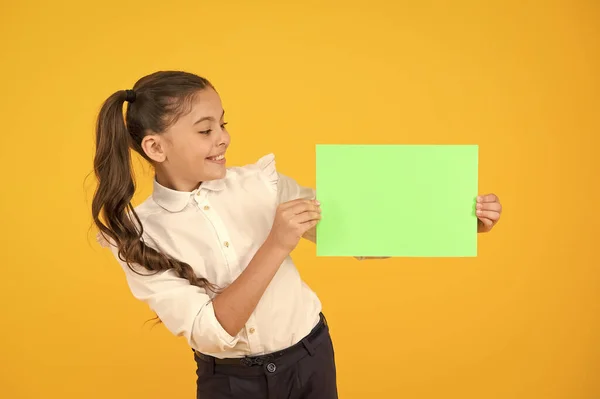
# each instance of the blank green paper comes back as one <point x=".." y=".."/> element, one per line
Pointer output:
<point x="397" y="200"/>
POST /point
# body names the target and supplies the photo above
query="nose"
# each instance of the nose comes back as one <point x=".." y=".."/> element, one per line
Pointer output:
<point x="224" y="139"/>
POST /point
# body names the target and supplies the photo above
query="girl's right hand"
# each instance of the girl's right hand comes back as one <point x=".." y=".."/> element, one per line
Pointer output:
<point x="292" y="220"/>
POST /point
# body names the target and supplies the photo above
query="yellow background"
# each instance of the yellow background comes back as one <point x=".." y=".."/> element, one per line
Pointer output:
<point x="519" y="78"/>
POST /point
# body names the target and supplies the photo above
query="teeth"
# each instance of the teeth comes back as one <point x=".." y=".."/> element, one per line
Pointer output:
<point x="217" y="158"/>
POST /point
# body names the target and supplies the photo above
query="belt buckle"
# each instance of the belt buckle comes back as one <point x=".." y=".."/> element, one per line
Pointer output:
<point x="256" y="360"/>
<point x="248" y="361"/>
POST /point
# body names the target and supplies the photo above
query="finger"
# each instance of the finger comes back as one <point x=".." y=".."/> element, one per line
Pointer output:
<point x="491" y="215"/>
<point x="305" y="207"/>
<point x="487" y="198"/>
<point x="306" y="217"/>
<point x="297" y="202"/>
<point x="490" y="206"/>
<point x="487" y="223"/>
<point x="304" y="227"/>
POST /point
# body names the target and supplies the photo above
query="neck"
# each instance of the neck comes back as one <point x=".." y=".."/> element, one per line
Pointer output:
<point x="166" y="180"/>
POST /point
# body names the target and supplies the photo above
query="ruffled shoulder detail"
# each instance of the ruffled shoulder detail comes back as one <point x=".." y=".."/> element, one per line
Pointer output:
<point x="267" y="167"/>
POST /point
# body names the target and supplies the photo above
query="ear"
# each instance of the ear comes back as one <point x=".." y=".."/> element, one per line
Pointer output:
<point x="153" y="147"/>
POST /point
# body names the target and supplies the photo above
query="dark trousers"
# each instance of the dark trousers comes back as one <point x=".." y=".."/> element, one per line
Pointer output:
<point x="303" y="371"/>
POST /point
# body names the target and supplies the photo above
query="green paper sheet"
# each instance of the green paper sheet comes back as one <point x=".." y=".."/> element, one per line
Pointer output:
<point x="397" y="200"/>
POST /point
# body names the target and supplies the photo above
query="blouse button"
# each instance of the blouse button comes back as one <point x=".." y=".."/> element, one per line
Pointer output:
<point x="206" y="207"/>
<point x="226" y="243"/>
<point x="252" y="330"/>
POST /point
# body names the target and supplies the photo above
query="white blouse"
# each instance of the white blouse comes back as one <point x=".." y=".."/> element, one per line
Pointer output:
<point x="217" y="229"/>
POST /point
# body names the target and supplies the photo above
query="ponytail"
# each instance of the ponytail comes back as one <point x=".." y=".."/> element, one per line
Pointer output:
<point x="112" y="210"/>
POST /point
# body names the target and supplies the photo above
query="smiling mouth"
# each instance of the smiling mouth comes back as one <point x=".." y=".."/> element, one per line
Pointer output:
<point x="216" y="157"/>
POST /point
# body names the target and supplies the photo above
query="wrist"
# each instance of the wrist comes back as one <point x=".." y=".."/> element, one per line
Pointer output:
<point x="275" y="247"/>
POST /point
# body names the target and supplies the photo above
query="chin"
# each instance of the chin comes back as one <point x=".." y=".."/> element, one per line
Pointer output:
<point x="213" y="170"/>
<point x="216" y="175"/>
<point x="222" y="175"/>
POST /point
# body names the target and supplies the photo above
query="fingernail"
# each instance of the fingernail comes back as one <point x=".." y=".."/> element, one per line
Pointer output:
<point x="479" y="198"/>
<point x="479" y="212"/>
<point x="479" y="206"/>
<point x="317" y="202"/>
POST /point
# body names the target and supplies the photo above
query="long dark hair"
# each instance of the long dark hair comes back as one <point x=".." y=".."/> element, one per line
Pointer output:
<point x="160" y="99"/>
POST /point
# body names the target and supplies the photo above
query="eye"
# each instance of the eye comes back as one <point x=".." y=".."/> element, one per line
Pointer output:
<point x="209" y="131"/>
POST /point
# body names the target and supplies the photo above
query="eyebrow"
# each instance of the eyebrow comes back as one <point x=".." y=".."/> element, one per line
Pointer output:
<point x="210" y="118"/>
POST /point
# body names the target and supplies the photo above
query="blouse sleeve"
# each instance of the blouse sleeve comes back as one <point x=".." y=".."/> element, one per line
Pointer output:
<point x="185" y="310"/>
<point x="287" y="188"/>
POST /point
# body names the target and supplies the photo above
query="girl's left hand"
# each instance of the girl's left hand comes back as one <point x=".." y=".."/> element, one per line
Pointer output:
<point x="488" y="210"/>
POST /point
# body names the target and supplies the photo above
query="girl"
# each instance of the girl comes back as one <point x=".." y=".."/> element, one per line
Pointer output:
<point x="209" y="250"/>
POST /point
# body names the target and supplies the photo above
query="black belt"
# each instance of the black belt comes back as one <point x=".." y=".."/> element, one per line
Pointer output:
<point x="292" y="354"/>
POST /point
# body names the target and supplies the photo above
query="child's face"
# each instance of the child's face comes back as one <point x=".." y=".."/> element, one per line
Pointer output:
<point x="189" y="147"/>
